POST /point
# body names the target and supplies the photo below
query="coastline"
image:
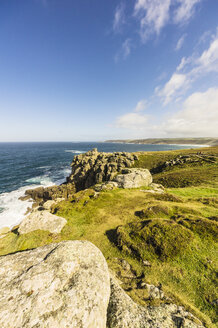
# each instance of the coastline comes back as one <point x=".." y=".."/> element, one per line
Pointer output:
<point x="15" y="210"/>
<point x="160" y="144"/>
<point x="192" y="142"/>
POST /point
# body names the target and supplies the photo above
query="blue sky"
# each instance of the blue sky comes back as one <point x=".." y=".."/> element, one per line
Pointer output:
<point x="75" y="70"/>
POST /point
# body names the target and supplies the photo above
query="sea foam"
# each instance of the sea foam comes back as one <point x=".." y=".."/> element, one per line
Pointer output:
<point x="75" y="151"/>
<point x="42" y="180"/>
<point x="12" y="209"/>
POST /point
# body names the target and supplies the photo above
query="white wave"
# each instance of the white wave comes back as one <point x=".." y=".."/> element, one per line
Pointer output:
<point x="75" y="151"/>
<point x="67" y="171"/>
<point x="42" y="180"/>
<point x="13" y="208"/>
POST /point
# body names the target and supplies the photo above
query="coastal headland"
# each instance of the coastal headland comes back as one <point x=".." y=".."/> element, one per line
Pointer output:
<point x="170" y="141"/>
<point x="142" y="225"/>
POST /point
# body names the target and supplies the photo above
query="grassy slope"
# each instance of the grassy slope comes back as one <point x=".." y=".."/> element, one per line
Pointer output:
<point x="187" y="274"/>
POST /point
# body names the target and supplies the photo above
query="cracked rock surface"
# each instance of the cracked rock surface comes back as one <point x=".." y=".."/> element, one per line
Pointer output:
<point x="55" y="286"/>
<point x="124" y="313"/>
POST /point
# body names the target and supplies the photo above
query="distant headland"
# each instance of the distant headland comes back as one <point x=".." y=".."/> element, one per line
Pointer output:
<point x="170" y="141"/>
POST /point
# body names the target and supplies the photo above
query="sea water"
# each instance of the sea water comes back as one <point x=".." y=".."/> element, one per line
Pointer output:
<point x="30" y="165"/>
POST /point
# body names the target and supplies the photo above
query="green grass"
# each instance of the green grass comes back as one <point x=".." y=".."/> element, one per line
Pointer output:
<point x="195" y="192"/>
<point x="184" y="175"/>
<point x="176" y="232"/>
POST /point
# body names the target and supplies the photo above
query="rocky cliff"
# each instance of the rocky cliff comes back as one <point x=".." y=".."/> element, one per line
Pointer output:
<point x="93" y="167"/>
<point x="88" y="170"/>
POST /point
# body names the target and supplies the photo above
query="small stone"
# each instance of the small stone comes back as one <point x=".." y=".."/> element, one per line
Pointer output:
<point x="125" y="265"/>
<point x="146" y="263"/>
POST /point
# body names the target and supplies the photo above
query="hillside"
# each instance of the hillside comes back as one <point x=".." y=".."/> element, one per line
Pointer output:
<point x="165" y="237"/>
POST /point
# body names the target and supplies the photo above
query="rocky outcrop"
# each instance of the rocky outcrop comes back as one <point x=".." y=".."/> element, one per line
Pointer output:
<point x="88" y="170"/>
<point x="41" y="219"/>
<point x="93" y="167"/>
<point x="55" y="286"/>
<point x="194" y="159"/>
<point x="133" y="178"/>
<point x="41" y="195"/>
<point x="124" y="313"/>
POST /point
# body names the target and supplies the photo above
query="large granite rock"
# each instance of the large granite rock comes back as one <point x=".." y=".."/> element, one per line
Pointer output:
<point x="133" y="178"/>
<point x="42" y="220"/>
<point x="55" y="286"/>
<point x="124" y="313"/>
<point x="93" y="167"/>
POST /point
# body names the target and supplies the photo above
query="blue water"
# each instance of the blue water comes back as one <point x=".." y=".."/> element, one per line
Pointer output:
<point x="28" y="165"/>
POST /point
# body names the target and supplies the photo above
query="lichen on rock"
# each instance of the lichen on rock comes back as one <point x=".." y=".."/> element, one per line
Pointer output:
<point x="55" y="286"/>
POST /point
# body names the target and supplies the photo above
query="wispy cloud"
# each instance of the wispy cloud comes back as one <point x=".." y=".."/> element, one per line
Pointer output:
<point x="125" y="50"/>
<point x="185" y="10"/>
<point x="208" y="61"/>
<point x="153" y="15"/>
<point x="119" y="18"/>
<point x="180" y="42"/>
<point x="173" y="87"/>
<point x="189" y="70"/>
<point x="141" y="105"/>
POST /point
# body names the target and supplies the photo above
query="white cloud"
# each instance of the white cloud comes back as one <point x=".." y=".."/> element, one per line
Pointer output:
<point x="199" y="116"/>
<point x="208" y="61"/>
<point x="184" y="61"/>
<point x="132" y="121"/>
<point x="119" y="17"/>
<point x="177" y="83"/>
<point x="185" y="11"/>
<point x="153" y="16"/>
<point x="125" y="50"/>
<point x="188" y="71"/>
<point x="180" y="42"/>
<point x="141" y="105"/>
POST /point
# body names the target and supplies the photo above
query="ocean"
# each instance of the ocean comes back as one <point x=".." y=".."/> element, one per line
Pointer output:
<point x="29" y="165"/>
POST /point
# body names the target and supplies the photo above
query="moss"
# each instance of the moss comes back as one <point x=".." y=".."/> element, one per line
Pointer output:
<point x="153" y="211"/>
<point x="163" y="238"/>
<point x="203" y="227"/>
